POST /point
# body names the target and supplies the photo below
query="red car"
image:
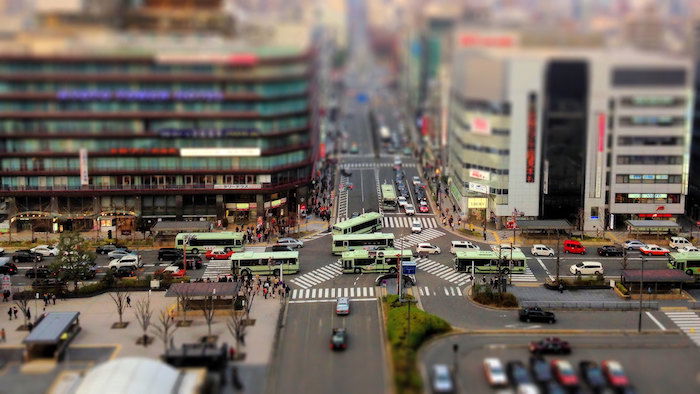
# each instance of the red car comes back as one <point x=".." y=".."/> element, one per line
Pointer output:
<point x="571" y="246"/>
<point x="614" y="373"/>
<point x="173" y="270"/>
<point x="564" y="373"/>
<point x="423" y="207"/>
<point x="218" y="254"/>
<point x="654" y="250"/>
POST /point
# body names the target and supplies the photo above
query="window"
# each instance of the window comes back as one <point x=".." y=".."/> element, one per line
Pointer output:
<point x="647" y="198"/>
<point x="651" y="101"/>
<point x="648" y="159"/>
<point x="629" y="76"/>
<point x="655" y="121"/>
<point x="649" y="141"/>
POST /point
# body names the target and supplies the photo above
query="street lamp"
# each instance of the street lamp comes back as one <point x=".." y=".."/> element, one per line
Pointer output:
<point x="641" y="285"/>
<point x="186" y="240"/>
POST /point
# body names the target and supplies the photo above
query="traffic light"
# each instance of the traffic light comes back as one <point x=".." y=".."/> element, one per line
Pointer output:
<point x="109" y="234"/>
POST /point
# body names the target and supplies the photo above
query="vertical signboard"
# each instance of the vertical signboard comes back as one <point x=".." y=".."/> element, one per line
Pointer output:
<point x="84" y="177"/>
<point x="531" y="138"/>
<point x="602" y="122"/>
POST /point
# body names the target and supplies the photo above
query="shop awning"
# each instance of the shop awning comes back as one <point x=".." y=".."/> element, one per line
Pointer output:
<point x="181" y="226"/>
<point x="544" y="225"/>
<point x="652" y="226"/>
<point x="656" y="276"/>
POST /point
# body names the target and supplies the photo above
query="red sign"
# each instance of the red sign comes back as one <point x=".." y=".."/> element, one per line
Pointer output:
<point x="143" y="151"/>
<point x="601" y="132"/>
<point x="425" y="126"/>
<point x="531" y="139"/>
<point x="472" y="40"/>
<point x="660" y="208"/>
<point x="480" y="125"/>
<point x="655" y="215"/>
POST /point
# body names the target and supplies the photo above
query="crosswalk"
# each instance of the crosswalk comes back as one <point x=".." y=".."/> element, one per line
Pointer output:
<point x="527" y="276"/>
<point x="688" y="322"/>
<point x="448" y="291"/>
<point x="343" y="198"/>
<point x="442" y="271"/>
<point x="374" y="165"/>
<point x="314" y="236"/>
<point x="405" y="221"/>
<point x="318" y="276"/>
<point x="217" y="268"/>
<point x="332" y="293"/>
<point x="412" y="240"/>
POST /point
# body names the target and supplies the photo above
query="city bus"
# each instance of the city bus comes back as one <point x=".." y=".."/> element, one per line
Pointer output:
<point x="200" y="242"/>
<point x="369" y="222"/>
<point x="346" y="242"/>
<point x="384" y="134"/>
<point x="363" y="261"/>
<point x="486" y="261"/>
<point x="389" y="201"/>
<point x="265" y="263"/>
<point x="688" y="262"/>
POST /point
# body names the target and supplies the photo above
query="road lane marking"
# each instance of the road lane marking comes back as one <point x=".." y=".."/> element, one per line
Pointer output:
<point x="329" y="300"/>
<point x="546" y="271"/>
<point x="658" y="323"/>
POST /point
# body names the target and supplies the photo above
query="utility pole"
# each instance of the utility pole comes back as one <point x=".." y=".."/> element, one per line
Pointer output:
<point x="641" y="293"/>
<point x="558" y="255"/>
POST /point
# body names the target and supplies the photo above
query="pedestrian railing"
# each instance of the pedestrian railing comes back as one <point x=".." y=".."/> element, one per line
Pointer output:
<point x="597" y="305"/>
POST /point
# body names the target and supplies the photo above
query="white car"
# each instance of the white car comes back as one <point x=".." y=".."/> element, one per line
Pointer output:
<point x="416" y="227"/>
<point x="427" y="248"/>
<point x="397" y="161"/>
<point x="541" y="250"/>
<point x="131" y="260"/>
<point x="679" y="242"/>
<point x="291" y="242"/>
<point x="587" y="268"/>
<point x="687" y="249"/>
<point x="115" y="254"/>
<point x="463" y="246"/>
<point x="505" y="248"/>
<point x="2" y="251"/>
<point x="409" y="209"/>
<point x="45" y="250"/>
<point x="416" y="181"/>
<point x="495" y="374"/>
<point x="402" y="201"/>
<point x="442" y="379"/>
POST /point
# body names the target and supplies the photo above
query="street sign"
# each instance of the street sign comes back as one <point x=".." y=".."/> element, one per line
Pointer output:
<point x="6" y="283"/>
<point x="408" y="268"/>
<point x="362" y="98"/>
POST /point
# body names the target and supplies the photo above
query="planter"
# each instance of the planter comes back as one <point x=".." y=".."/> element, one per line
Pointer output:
<point x="120" y="325"/>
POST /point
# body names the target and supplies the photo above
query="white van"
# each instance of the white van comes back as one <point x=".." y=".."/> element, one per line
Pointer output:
<point x="587" y="268"/>
<point x="130" y="260"/>
<point x="462" y="246"/>
<point x="679" y="242"/>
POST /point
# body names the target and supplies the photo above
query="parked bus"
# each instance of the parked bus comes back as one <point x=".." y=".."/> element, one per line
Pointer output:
<point x="688" y="262"/>
<point x="346" y="242"/>
<point x="486" y="261"/>
<point x="200" y="242"/>
<point x="265" y="263"/>
<point x="389" y="201"/>
<point x="364" y="261"/>
<point x="369" y="222"/>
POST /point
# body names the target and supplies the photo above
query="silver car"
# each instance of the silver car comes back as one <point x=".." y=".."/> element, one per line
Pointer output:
<point x="342" y="307"/>
<point x="291" y="242"/>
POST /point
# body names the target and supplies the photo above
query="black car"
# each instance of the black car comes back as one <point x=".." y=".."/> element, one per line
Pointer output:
<point x="593" y="375"/>
<point x="281" y="248"/>
<point x="104" y="249"/>
<point x="609" y="250"/>
<point x="125" y="271"/>
<point x="540" y="369"/>
<point x="8" y="269"/>
<point x="550" y="345"/>
<point x="169" y="254"/>
<point x="536" y="314"/>
<point x="39" y="272"/>
<point x="25" y="256"/>
<point x="517" y="373"/>
<point x="48" y="283"/>
<point x="339" y="339"/>
<point x="88" y="274"/>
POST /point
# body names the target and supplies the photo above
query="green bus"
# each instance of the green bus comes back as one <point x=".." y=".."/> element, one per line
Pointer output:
<point x="363" y="261"/>
<point x="200" y="242"/>
<point x="369" y="222"/>
<point x="688" y="262"/>
<point x="486" y="261"/>
<point x="346" y="242"/>
<point x="265" y="263"/>
<point x="389" y="201"/>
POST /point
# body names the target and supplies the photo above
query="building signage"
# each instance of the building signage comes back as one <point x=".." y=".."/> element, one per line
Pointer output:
<point x="241" y="186"/>
<point x="266" y="178"/>
<point x="480" y="125"/>
<point x="144" y="151"/>
<point x="237" y="59"/>
<point x="602" y="123"/>
<point x="483" y="175"/>
<point x="477" y="203"/>
<point x="531" y="144"/>
<point x="478" y="40"/>
<point x="479" y="188"/>
<point x="207" y="133"/>
<point x="140" y="95"/>
<point x="84" y="176"/>
<point x="219" y="152"/>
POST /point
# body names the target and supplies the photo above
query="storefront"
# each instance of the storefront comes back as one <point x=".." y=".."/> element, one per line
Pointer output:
<point x="120" y="223"/>
<point x="240" y="213"/>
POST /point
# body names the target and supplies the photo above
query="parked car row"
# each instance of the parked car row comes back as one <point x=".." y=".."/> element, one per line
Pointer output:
<point x="575" y="247"/>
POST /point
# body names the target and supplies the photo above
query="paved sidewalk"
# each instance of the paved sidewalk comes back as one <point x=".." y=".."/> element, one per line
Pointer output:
<point x="542" y="294"/>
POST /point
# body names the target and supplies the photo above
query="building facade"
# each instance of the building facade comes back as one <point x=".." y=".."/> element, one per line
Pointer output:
<point x="592" y="136"/>
<point x="117" y="142"/>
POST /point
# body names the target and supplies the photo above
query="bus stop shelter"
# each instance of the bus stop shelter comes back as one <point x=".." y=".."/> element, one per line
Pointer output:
<point x="52" y="334"/>
<point x="221" y="294"/>
<point x="664" y="281"/>
<point x="652" y="227"/>
<point x="172" y="228"/>
<point x="544" y="227"/>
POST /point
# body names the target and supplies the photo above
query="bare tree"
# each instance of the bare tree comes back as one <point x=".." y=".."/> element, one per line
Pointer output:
<point x="164" y="328"/>
<point x="143" y="313"/>
<point x="184" y="300"/>
<point x="119" y="297"/>
<point x="207" y="307"/>
<point x="236" y="324"/>
<point x="22" y="303"/>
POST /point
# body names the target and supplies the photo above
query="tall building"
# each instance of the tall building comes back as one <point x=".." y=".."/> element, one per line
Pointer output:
<point x="593" y="136"/>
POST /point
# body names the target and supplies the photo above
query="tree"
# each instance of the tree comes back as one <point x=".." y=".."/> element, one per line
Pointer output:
<point x="236" y="324"/>
<point x="164" y="328"/>
<point x="119" y="297"/>
<point x="22" y="302"/>
<point x="207" y="307"/>
<point x="143" y="313"/>
<point x="74" y="258"/>
<point x="184" y="301"/>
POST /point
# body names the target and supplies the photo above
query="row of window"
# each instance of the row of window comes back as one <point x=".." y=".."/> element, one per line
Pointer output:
<point x="652" y="101"/>
<point x="24" y="67"/>
<point x="648" y="178"/>
<point x="137" y="125"/>
<point x="493" y="171"/>
<point x="649" y="141"/>
<point x="169" y="106"/>
<point x="482" y="148"/>
<point x="649" y="159"/>
<point x="486" y="107"/>
<point x="154" y="163"/>
<point x="457" y="120"/>
<point x="647" y="198"/>
<point x="655" y="121"/>
<point x="262" y="88"/>
<point x="100" y="145"/>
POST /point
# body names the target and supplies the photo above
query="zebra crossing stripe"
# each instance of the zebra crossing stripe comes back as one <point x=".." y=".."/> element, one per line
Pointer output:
<point x="688" y="322"/>
<point x="450" y="291"/>
<point x="405" y="221"/>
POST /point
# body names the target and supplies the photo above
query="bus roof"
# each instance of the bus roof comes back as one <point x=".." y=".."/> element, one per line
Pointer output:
<point x="265" y="255"/>
<point x="212" y="235"/>
<point x="362" y="237"/>
<point x="360" y="219"/>
<point x="361" y="253"/>
<point x="489" y="254"/>
<point x="388" y="191"/>
<point x="689" y="256"/>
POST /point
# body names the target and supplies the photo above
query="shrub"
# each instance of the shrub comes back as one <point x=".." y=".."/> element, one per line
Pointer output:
<point x="485" y="295"/>
<point x="88" y="289"/>
<point x="622" y="288"/>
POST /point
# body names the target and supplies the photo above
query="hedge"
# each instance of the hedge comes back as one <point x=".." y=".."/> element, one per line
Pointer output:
<point x="404" y="344"/>
<point x="622" y="288"/>
<point x="484" y="294"/>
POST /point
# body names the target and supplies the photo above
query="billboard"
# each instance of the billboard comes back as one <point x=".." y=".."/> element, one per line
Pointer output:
<point x="479" y="188"/>
<point x="480" y="125"/>
<point x="84" y="176"/>
<point x="477" y="174"/>
<point x="531" y="145"/>
<point x="477" y="203"/>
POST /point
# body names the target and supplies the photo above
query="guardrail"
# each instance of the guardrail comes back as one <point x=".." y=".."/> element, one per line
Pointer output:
<point x="597" y="305"/>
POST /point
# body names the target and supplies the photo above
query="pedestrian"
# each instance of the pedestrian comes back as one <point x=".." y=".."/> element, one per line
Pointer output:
<point x="53" y="298"/>
<point x="231" y="353"/>
<point x="29" y="314"/>
<point x="15" y="311"/>
<point x="9" y="313"/>
<point x="128" y="301"/>
<point x="3" y="337"/>
<point x="561" y="288"/>
<point x="265" y="292"/>
<point x="235" y="381"/>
